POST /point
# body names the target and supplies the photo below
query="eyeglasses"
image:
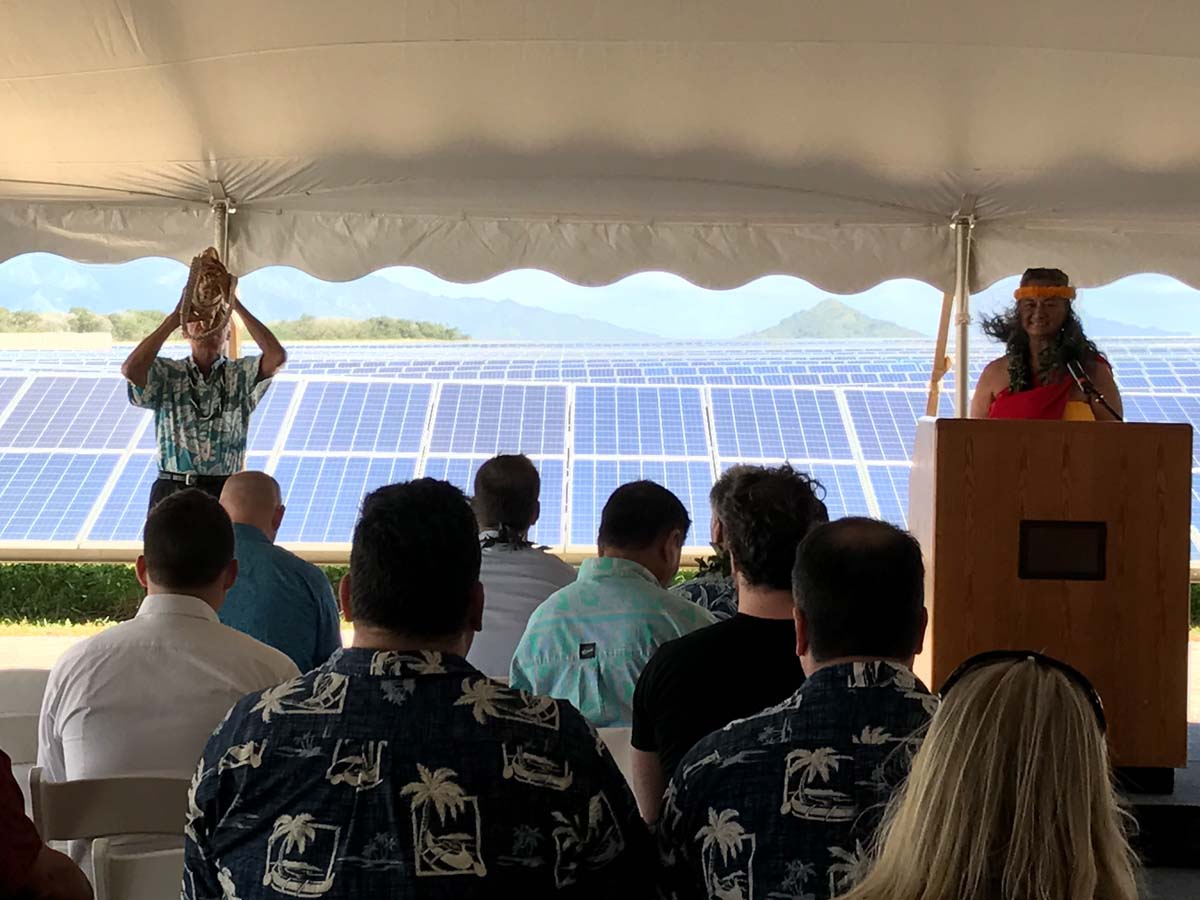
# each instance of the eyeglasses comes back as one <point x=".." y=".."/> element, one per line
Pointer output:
<point x="992" y="656"/>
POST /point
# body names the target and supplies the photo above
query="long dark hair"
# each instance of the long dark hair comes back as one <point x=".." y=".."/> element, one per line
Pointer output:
<point x="1070" y="345"/>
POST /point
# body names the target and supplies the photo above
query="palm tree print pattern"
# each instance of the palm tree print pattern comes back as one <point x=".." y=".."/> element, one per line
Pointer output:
<point x="779" y="806"/>
<point x="359" y="779"/>
<point x="444" y="848"/>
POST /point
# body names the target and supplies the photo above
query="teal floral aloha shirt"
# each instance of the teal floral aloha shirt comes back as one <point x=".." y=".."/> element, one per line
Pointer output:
<point x="201" y="423"/>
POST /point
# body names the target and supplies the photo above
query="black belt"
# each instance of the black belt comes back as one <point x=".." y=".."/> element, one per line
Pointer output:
<point x="190" y="478"/>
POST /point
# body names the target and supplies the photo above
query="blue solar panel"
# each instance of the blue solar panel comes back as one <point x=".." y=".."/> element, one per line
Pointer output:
<point x="124" y="512"/>
<point x="890" y="484"/>
<point x="500" y="418"/>
<point x="844" y="494"/>
<point x="593" y="481"/>
<point x="460" y="471"/>
<point x="761" y="423"/>
<point x="266" y="423"/>
<point x="1146" y="408"/>
<point x="886" y="421"/>
<point x="323" y="494"/>
<point x="47" y="496"/>
<point x="640" y="421"/>
<point x="1196" y="515"/>
<point x="379" y="417"/>
<point x="60" y="412"/>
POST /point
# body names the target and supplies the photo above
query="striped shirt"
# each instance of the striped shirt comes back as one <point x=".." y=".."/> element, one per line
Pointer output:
<point x="589" y="642"/>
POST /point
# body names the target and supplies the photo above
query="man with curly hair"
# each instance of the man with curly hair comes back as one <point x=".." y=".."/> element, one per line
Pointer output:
<point x="704" y="680"/>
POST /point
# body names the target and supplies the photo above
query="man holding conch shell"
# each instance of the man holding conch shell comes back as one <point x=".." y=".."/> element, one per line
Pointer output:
<point x="202" y="403"/>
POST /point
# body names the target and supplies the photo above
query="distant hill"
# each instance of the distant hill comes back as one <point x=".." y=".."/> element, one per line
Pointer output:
<point x="55" y="285"/>
<point x="832" y="319"/>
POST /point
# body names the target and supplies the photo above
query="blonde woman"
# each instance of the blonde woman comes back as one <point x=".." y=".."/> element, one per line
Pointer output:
<point x="1010" y="796"/>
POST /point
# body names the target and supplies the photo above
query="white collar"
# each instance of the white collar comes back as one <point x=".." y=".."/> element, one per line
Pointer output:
<point x="176" y="605"/>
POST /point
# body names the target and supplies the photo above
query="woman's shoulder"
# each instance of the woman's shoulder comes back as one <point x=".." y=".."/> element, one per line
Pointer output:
<point x="995" y="372"/>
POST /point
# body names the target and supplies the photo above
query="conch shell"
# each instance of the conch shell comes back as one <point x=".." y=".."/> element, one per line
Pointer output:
<point x="207" y="296"/>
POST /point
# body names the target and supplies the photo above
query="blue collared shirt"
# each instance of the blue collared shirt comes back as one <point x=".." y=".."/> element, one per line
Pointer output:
<point x="785" y="803"/>
<point x="589" y="642"/>
<point x="201" y="422"/>
<point x="388" y="774"/>
<point x="282" y="600"/>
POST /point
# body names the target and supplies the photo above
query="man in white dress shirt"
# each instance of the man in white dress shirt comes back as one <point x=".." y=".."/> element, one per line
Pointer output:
<point x="142" y="697"/>
<point x="516" y="575"/>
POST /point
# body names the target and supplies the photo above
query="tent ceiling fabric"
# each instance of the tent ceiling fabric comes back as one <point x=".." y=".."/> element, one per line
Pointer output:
<point x="830" y="139"/>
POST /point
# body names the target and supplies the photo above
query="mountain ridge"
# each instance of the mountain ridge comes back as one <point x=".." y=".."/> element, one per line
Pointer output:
<point x="832" y="319"/>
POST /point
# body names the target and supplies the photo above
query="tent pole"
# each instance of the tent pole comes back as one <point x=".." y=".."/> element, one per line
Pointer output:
<point x="963" y="224"/>
<point x="223" y="208"/>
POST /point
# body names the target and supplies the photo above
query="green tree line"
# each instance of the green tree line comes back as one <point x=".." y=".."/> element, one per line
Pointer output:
<point x="135" y="324"/>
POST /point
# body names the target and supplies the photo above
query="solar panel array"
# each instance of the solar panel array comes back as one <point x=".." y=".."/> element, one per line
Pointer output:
<point x="76" y="461"/>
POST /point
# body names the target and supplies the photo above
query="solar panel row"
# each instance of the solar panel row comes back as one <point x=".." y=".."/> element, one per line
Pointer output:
<point x="331" y="440"/>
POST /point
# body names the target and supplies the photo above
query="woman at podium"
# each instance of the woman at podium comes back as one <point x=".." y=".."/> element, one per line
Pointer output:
<point x="1049" y="370"/>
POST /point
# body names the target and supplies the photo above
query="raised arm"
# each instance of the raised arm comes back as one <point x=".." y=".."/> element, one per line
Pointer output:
<point x="273" y="354"/>
<point x="136" y="367"/>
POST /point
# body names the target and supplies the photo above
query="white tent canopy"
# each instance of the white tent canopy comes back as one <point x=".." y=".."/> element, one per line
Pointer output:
<point x="829" y="139"/>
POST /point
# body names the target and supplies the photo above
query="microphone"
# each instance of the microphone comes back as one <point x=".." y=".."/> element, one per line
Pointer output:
<point x="1084" y="383"/>
<point x="1081" y="378"/>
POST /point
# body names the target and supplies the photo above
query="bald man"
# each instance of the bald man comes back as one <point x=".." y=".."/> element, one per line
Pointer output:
<point x="278" y="598"/>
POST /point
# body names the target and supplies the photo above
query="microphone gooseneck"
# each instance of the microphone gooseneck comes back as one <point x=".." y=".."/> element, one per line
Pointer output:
<point x="1089" y="390"/>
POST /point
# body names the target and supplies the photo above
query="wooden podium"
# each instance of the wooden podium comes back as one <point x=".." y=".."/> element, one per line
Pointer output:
<point x="1070" y="538"/>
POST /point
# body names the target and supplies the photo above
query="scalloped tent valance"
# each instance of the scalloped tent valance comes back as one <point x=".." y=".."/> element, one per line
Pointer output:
<point x="831" y="140"/>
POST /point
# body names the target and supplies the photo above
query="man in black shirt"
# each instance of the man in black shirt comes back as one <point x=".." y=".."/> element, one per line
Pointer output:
<point x="703" y="681"/>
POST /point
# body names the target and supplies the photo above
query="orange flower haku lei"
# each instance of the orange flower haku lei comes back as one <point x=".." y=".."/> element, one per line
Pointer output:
<point x="1044" y="292"/>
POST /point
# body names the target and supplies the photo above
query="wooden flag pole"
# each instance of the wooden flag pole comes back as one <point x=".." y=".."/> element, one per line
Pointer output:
<point x="941" y="362"/>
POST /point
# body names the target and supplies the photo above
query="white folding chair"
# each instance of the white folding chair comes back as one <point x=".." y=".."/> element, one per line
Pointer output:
<point x="21" y="690"/>
<point x="106" y="807"/>
<point x="618" y="742"/>
<point x="21" y="693"/>
<point x="149" y="875"/>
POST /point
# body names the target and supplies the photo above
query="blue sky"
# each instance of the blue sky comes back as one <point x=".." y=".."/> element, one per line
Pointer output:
<point x="655" y="302"/>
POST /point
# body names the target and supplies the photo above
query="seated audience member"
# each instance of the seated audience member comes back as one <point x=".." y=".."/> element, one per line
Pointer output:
<point x="278" y="598"/>
<point x="590" y="641"/>
<point x="790" y="797"/>
<point x="703" y="681"/>
<point x="516" y="575"/>
<point x="714" y="587"/>
<point x="28" y="868"/>
<point x="1010" y="796"/>
<point x="142" y="697"/>
<point x="397" y="769"/>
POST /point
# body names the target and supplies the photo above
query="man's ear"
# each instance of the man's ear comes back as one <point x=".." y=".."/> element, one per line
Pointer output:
<point x="230" y="575"/>
<point x="343" y="593"/>
<point x="802" y="642"/>
<point x="920" y="648"/>
<point x="537" y="512"/>
<point x="277" y="519"/>
<point x="475" y="608"/>
<point x="139" y="569"/>
<point x="673" y="545"/>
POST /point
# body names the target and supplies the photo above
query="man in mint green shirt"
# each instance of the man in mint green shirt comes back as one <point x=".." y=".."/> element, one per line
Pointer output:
<point x="588" y="642"/>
